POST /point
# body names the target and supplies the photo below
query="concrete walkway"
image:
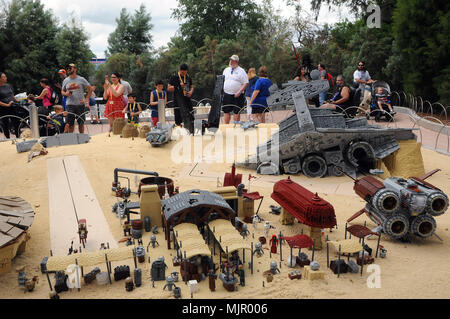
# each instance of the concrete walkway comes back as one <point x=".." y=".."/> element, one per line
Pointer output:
<point x="71" y="198"/>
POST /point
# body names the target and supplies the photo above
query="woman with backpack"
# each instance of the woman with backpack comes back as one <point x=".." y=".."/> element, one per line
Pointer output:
<point x="46" y="94"/>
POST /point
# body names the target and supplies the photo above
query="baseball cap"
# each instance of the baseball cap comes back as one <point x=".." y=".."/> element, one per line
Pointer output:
<point x="62" y="71"/>
<point x="234" y="57"/>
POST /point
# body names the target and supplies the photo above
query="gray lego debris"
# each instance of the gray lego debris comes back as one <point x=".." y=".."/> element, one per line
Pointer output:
<point x="159" y="135"/>
<point x="310" y="89"/>
<point x="353" y="267"/>
<point x="25" y="146"/>
<point x="65" y="139"/>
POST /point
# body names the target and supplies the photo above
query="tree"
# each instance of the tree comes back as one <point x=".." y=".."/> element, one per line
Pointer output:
<point x="217" y="19"/>
<point x="28" y="50"/>
<point x="421" y="47"/>
<point x="73" y="47"/>
<point x="132" y="33"/>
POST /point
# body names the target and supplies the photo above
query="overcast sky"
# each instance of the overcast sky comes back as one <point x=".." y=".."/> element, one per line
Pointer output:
<point x="98" y="17"/>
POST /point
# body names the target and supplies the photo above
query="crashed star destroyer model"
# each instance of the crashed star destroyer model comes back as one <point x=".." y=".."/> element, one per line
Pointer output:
<point x="320" y="142"/>
<point x="400" y="206"/>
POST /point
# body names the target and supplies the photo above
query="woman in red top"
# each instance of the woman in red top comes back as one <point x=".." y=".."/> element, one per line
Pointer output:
<point x="46" y="93"/>
<point x="113" y="92"/>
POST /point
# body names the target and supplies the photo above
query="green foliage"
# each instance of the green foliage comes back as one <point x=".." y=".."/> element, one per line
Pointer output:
<point x="215" y="18"/>
<point x="132" y="33"/>
<point x="421" y="30"/>
<point x="33" y="46"/>
<point x="28" y="44"/>
<point x="73" y="47"/>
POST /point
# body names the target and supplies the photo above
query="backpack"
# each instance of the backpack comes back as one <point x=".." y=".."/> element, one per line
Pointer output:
<point x="330" y="80"/>
<point x="54" y="98"/>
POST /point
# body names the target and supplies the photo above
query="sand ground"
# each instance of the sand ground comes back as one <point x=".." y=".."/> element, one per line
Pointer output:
<point x="419" y="269"/>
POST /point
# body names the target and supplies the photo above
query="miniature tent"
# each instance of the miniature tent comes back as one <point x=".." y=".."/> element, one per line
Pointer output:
<point x="299" y="241"/>
<point x="307" y="207"/>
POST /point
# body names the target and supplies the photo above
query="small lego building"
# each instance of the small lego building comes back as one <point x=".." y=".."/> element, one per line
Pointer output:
<point x="129" y="285"/>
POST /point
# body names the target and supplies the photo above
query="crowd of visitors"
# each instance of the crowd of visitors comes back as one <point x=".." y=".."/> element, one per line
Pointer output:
<point x="241" y="89"/>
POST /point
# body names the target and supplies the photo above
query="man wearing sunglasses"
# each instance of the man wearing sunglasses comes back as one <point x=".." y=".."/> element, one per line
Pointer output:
<point x="362" y="76"/>
<point x="73" y="88"/>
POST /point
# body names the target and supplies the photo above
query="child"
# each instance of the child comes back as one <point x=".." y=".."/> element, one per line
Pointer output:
<point x="56" y="123"/>
<point x="382" y="99"/>
<point x="93" y="108"/>
<point x="133" y="109"/>
<point x="155" y="96"/>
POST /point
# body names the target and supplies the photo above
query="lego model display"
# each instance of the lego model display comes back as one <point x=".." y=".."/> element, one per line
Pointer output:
<point x="400" y="206"/>
<point x="82" y="231"/>
<point x="16" y="217"/>
<point x="318" y="142"/>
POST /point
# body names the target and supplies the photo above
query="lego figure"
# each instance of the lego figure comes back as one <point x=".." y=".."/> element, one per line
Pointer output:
<point x="129" y="285"/>
<point x="212" y="280"/>
<point x="258" y="249"/>
<point x="153" y="242"/>
<point x="255" y="221"/>
<point x="273" y="244"/>
<point x="174" y="275"/>
<point x="383" y="252"/>
<point x="82" y="231"/>
<point x="126" y="228"/>
<point x="177" y="292"/>
<point x="244" y="231"/>
<point x="129" y="242"/>
<point x="267" y="227"/>
<point x="274" y="267"/>
<point x="241" y="273"/>
<point x="169" y="283"/>
<point x="102" y="246"/>
<point x="21" y="277"/>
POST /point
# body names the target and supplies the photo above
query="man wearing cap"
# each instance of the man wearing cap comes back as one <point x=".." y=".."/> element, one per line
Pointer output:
<point x="62" y="75"/>
<point x="73" y="88"/>
<point x="236" y="81"/>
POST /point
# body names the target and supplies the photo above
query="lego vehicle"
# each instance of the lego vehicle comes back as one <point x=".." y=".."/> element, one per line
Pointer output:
<point x="400" y="206"/>
<point x="320" y="142"/>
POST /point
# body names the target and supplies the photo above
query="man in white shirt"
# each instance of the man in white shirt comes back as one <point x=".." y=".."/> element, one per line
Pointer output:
<point x="236" y="81"/>
<point x="362" y="76"/>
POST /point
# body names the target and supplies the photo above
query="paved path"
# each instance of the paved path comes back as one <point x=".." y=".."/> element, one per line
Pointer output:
<point x="71" y="198"/>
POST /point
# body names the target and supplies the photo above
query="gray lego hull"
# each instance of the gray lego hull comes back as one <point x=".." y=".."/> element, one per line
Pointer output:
<point x="319" y="142"/>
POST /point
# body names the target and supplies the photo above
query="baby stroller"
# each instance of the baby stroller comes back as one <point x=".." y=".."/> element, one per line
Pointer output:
<point x="383" y="94"/>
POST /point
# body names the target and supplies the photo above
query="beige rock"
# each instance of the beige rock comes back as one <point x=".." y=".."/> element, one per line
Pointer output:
<point x="118" y="125"/>
<point x="309" y="274"/>
<point x="407" y="161"/>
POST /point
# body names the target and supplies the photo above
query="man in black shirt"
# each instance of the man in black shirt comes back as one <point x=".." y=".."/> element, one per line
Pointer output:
<point x="7" y="107"/>
<point x="181" y="86"/>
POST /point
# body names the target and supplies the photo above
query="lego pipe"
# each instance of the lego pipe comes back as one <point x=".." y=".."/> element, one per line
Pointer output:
<point x="339" y="261"/>
<point x="281" y="254"/>
<point x="133" y="171"/>
<point x="49" y="282"/>
<point x="251" y="261"/>
<point x="378" y="245"/>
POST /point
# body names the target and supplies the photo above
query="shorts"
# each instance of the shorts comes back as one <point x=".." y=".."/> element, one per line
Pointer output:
<point x="93" y="109"/>
<point x="259" y="109"/>
<point x="232" y="104"/>
<point x="76" y="111"/>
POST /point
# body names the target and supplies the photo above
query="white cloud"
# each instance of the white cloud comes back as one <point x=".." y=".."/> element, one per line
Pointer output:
<point x="98" y="17"/>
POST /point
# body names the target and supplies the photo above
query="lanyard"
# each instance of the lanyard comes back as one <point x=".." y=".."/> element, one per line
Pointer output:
<point x="182" y="81"/>
<point x="134" y="107"/>
<point x="160" y="97"/>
